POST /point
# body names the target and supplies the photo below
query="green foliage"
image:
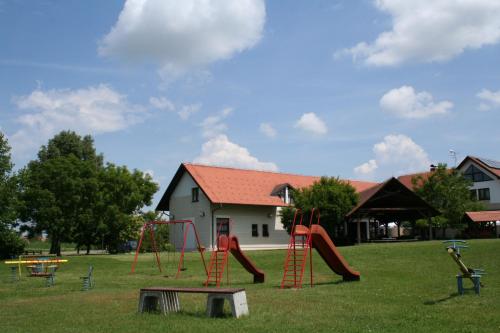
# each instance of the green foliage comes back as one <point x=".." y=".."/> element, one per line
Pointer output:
<point x="10" y="243"/>
<point x="71" y="195"/>
<point x="447" y="191"/>
<point x="333" y="198"/>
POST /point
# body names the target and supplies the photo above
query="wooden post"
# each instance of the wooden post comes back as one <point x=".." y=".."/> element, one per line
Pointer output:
<point x="358" y="231"/>
<point x="430" y="228"/>
<point x="368" y="230"/>
<point x="345" y="229"/>
<point x="497" y="229"/>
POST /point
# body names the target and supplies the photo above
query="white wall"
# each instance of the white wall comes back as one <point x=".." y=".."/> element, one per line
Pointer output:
<point x="182" y="207"/>
<point x="242" y="219"/>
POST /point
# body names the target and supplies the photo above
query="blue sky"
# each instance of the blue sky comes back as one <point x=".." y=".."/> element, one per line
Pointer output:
<point x="356" y="89"/>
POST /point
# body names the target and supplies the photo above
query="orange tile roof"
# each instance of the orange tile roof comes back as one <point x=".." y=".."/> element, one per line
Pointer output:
<point x="484" y="216"/>
<point x="406" y="180"/>
<point x="241" y="186"/>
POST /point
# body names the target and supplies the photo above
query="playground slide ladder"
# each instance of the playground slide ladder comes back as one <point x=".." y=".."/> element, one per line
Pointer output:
<point x="218" y="261"/>
<point x="298" y="247"/>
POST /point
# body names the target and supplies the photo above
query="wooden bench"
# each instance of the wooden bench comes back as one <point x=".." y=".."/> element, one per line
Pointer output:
<point x="167" y="299"/>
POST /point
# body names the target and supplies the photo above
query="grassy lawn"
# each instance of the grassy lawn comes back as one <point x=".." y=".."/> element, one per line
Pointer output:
<point x="405" y="287"/>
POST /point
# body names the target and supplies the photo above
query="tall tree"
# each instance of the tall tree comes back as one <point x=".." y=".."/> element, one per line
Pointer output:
<point x="333" y="197"/>
<point x="448" y="191"/>
<point x="60" y="186"/>
<point x="10" y="242"/>
<point x="122" y="194"/>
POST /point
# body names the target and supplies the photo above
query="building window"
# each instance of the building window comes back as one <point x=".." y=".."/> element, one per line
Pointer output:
<point x="473" y="194"/>
<point x="195" y="194"/>
<point x="483" y="194"/>
<point x="265" y="230"/>
<point x="223" y="226"/>
<point x="255" y="230"/>
<point x="476" y="175"/>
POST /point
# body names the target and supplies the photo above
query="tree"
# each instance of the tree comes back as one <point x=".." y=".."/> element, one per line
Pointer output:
<point x="121" y="196"/>
<point x="447" y="191"/>
<point x="70" y="194"/>
<point x="333" y="197"/>
<point x="59" y="188"/>
<point x="10" y="242"/>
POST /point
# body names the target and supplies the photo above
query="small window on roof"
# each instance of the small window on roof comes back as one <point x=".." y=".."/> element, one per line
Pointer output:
<point x="195" y="194"/>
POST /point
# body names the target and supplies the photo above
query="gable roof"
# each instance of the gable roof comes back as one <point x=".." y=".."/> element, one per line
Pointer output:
<point x="406" y="180"/>
<point x="484" y="216"/>
<point x="391" y="199"/>
<point x="487" y="164"/>
<point x="223" y="185"/>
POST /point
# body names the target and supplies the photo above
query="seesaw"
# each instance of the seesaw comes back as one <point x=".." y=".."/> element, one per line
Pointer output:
<point x="474" y="274"/>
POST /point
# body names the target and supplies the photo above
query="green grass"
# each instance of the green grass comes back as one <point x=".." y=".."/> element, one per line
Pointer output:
<point x="405" y="287"/>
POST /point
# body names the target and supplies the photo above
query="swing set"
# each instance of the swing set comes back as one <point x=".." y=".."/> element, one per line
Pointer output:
<point x="149" y="227"/>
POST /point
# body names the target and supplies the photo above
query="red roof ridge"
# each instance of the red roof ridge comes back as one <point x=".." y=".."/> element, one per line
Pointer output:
<point x="274" y="172"/>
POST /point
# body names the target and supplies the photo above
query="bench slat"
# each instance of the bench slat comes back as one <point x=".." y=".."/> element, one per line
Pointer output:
<point x="195" y="290"/>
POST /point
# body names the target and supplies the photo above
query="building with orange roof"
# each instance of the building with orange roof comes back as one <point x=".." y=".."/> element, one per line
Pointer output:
<point x="212" y="196"/>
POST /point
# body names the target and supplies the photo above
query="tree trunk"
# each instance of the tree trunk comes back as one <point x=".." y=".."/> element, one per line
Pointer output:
<point x="55" y="246"/>
<point x="399" y="229"/>
<point x="88" y="249"/>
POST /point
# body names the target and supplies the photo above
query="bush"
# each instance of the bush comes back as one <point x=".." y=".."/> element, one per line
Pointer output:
<point x="11" y="245"/>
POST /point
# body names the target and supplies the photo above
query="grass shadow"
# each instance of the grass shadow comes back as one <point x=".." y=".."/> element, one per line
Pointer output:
<point x="441" y="300"/>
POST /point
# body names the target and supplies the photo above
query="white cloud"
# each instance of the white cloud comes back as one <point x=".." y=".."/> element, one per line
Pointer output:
<point x="161" y="103"/>
<point x="404" y="102"/>
<point x="187" y="110"/>
<point x="181" y="35"/>
<point x="367" y="168"/>
<point x="394" y="156"/>
<point x="489" y="99"/>
<point x="213" y="126"/>
<point x="184" y="111"/>
<point x="90" y="110"/>
<point x="310" y="122"/>
<point x="430" y="31"/>
<point x="268" y="130"/>
<point x="220" y="151"/>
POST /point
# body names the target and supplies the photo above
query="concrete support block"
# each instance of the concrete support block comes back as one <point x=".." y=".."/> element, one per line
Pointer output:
<point x="237" y="301"/>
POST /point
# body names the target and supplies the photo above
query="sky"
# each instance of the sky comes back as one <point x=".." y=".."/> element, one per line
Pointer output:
<point x="357" y="89"/>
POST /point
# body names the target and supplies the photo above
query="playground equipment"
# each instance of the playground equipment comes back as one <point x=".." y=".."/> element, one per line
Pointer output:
<point x="474" y="274"/>
<point x="219" y="260"/>
<point x="37" y="265"/>
<point x="150" y="227"/>
<point x="88" y="280"/>
<point x="302" y="240"/>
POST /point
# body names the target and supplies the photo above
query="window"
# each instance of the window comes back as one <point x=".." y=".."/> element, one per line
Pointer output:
<point x="265" y="230"/>
<point x="476" y="175"/>
<point x="483" y="194"/>
<point x="255" y="230"/>
<point x="223" y="226"/>
<point x="195" y="193"/>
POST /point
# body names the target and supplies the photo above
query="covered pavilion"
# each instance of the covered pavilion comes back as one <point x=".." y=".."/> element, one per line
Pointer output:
<point x="390" y="201"/>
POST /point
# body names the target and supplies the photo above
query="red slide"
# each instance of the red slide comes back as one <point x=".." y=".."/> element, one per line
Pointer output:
<point x="234" y="247"/>
<point x="328" y="251"/>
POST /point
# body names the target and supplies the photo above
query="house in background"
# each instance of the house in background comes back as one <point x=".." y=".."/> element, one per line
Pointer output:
<point x="213" y="196"/>
<point x="485" y="175"/>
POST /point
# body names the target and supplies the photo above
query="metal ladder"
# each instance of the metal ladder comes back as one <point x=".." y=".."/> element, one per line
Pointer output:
<point x="298" y="248"/>
<point x="218" y="261"/>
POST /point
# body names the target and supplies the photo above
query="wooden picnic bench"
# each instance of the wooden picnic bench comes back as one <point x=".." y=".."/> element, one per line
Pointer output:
<point x="167" y="299"/>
